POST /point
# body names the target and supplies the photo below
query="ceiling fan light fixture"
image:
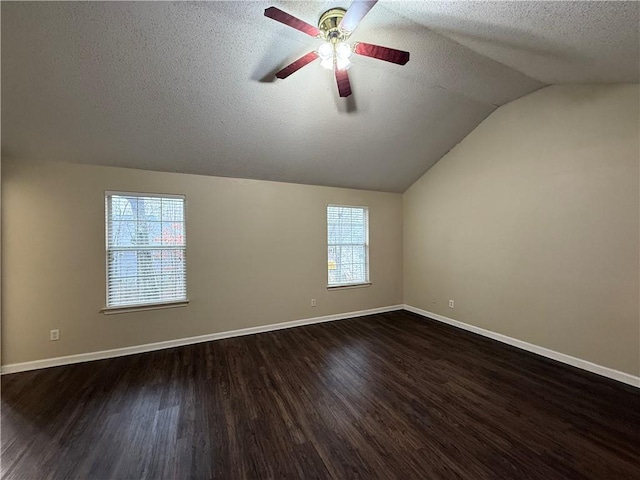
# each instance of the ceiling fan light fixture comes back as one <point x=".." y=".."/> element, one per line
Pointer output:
<point x="325" y="51"/>
<point x="335" y="27"/>
<point x="343" y="63"/>
<point x="327" y="63"/>
<point x="343" y="50"/>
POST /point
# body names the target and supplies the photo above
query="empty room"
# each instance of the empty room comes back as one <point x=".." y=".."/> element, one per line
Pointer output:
<point x="320" y="240"/>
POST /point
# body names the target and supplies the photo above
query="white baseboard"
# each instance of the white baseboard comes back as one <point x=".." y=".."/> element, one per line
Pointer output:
<point x="150" y="347"/>
<point x="545" y="352"/>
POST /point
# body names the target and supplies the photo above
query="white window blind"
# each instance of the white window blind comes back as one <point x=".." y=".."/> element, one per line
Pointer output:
<point x="146" y="249"/>
<point x="348" y="245"/>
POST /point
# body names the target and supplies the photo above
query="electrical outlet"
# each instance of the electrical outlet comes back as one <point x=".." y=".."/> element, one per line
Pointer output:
<point x="313" y="302"/>
<point x="433" y="300"/>
<point x="54" y="335"/>
<point x="451" y="304"/>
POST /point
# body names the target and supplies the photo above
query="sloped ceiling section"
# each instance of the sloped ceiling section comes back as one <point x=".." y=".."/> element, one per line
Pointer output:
<point x="188" y="87"/>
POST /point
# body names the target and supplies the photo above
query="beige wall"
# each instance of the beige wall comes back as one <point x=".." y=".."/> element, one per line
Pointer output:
<point x="256" y="255"/>
<point x="531" y="224"/>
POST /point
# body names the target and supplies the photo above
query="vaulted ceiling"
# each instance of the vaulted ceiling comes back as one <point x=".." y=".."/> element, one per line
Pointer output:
<point x="189" y="87"/>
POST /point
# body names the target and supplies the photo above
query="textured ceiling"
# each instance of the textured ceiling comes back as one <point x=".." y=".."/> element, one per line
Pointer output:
<point x="187" y="87"/>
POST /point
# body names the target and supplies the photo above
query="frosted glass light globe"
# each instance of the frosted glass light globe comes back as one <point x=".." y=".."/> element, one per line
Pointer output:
<point x="325" y="51"/>
<point x="343" y="63"/>
<point x="343" y="50"/>
<point x="327" y="63"/>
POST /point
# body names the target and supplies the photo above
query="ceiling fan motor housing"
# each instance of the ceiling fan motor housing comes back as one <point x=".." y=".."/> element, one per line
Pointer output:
<point x="328" y="25"/>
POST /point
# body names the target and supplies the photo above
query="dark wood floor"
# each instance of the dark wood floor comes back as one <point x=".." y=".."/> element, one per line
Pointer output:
<point x="385" y="396"/>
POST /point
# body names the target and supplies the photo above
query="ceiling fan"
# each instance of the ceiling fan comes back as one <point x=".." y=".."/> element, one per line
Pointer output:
<point x="335" y="27"/>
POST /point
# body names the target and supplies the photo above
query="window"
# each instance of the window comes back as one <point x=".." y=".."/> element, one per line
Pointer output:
<point x="146" y="247"/>
<point x="348" y="245"/>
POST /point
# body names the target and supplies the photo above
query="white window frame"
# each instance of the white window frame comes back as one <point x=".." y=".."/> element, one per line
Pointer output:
<point x="109" y="309"/>
<point x="367" y="281"/>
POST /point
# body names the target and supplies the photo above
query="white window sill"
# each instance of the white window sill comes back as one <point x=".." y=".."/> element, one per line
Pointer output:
<point x="139" y="308"/>
<point x="348" y="285"/>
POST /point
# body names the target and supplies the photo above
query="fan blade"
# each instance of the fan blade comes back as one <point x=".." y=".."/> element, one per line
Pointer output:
<point x="344" y="86"/>
<point x="355" y="13"/>
<point x="297" y="65"/>
<point x="382" y="53"/>
<point x="283" y="17"/>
